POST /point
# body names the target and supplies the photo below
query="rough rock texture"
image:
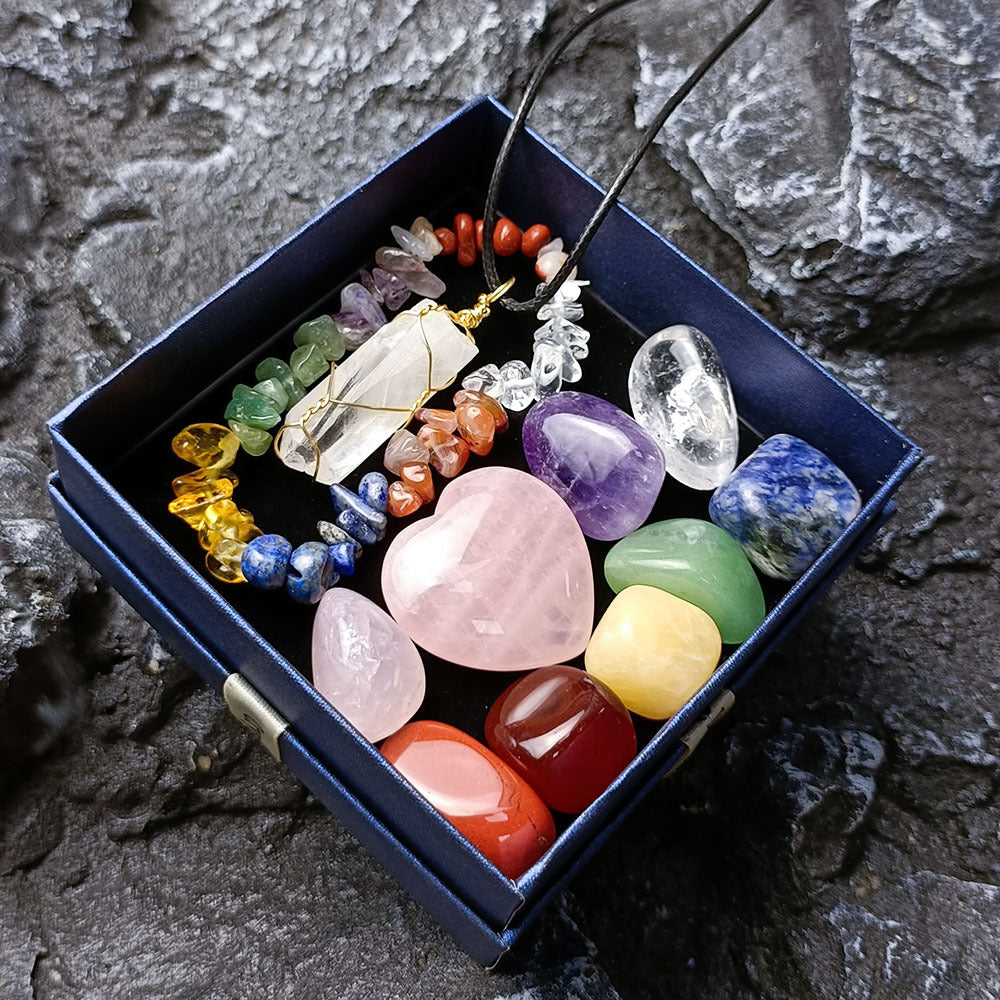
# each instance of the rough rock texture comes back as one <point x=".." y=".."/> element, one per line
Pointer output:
<point x="854" y="152"/>
<point x="840" y="837"/>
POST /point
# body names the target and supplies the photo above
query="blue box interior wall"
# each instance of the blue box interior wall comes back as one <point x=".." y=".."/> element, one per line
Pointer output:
<point x="640" y="283"/>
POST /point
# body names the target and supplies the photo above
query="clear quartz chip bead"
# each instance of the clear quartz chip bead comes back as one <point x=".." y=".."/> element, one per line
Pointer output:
<point x="485" y="379"/>
<point x="547" y="368"/>
<point x="519" y="389"/>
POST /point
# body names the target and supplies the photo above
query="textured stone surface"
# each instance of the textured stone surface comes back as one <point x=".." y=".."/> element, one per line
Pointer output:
<point x="838" y="839"/>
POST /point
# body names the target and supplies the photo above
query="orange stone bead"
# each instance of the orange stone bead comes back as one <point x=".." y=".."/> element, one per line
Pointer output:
<point x="448" y="452"/>
<point x="447" y="240"/>
<point x="477" y="426"/>
<point x="479" y="234"/>
<point x="465" y="236"/>
<point x="482" y="797"/>
<point x="506" y="238"/>
<point x="534" y="238"/>
<point x="444" y="419"/>
<point x="472" y="396"/>
<point x="418" y="476"/>
<point x="403" y="500"/>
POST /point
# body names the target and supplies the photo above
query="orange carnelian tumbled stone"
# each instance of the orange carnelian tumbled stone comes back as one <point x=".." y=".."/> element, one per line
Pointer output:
<point x="448" y="452"/>
<point x="506" y="238"/>
<point x="403" y="499"/>
<point x="486" y="801"/>
<point x="534" y="238"/>
<point x="477" y="426"/>
<point x="418" y="477"/>
<point x="465" y="235"/>
<point x="498" y="413"/>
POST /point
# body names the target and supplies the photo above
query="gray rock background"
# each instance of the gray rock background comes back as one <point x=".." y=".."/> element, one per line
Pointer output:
<point x="841" y="838"/>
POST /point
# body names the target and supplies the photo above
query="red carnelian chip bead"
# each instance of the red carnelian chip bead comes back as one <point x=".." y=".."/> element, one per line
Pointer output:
<point x="444" y="419"/>
<point x="563" y="731"/>
<point x="493" y="808"/>
<point x="447" y="240"/>
<point x="477" y="426"/>
<point x="498" y="413"/>
<point x="465" y="236"/>
<point x="534" y="238"/>
<point x="479" y="234"/>
<point x="418" y="476"/>
<point x="448" y="452"/>
<point x="404" y="500"/>
<point x="506" y="238"/>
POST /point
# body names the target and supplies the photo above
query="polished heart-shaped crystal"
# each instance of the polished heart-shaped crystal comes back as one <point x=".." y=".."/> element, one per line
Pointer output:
<point x="498" y="579"/>
<point x="680" y="393"/>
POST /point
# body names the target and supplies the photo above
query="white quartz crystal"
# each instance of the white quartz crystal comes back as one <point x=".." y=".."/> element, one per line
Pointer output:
<point x="389" y="370"/>
<point x="681" y="395"/>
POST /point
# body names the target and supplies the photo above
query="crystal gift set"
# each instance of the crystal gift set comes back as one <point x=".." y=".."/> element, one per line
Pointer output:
<point x="478" y="578"/>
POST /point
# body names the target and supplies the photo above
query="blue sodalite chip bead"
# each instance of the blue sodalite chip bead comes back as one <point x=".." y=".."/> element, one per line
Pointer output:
<point x="785" y="504"/>
<point x="310" y="572"/>
<point x="265" y="561"/>
<point x="346" y="502"/>
<point x="374" y="491"/>
<point x="343" y="556"/>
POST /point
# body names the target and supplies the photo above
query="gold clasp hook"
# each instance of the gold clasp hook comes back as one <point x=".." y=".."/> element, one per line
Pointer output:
<point x="469" y="319"/>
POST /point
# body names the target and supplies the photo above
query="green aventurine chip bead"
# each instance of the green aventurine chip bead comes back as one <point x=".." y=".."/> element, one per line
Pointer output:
<point x="254" y="441"/>
<point x="325" y="334"/>
<point x="308" y="363"/>
<point x="275" y="368"/>
<point x="252" y="408"/>
<point x="274" y="391"/>
<point x="697" y="562"/>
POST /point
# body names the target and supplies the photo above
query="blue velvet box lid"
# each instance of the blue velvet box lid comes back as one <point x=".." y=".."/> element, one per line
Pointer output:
<point x="115" y="465"/>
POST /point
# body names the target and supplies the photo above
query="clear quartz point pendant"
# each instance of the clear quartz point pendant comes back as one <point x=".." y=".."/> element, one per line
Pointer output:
<point x="680" y="393"/>
<point x="373" y="392"/>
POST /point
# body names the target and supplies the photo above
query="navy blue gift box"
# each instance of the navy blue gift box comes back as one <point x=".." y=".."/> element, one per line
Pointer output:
<point x="115" y="467"/>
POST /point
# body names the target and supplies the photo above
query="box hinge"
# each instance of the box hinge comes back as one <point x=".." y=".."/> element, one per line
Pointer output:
<point x="249" y="708"/>
<point x="690" y="740"/>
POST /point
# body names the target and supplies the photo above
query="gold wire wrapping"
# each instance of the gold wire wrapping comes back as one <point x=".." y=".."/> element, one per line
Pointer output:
<point x="468" y="319"/>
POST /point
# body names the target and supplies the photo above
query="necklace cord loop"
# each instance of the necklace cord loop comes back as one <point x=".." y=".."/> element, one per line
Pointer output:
<point x="611" y="196"/>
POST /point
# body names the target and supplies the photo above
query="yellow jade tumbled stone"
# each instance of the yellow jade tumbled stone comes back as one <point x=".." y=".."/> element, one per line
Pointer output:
<point x="206" y="444"/>
<point x="653" y="650"/>
<point x="191" y="507"/>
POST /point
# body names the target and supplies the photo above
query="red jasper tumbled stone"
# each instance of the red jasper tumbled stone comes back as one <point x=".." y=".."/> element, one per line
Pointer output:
<point x="475" y="791"/>
<point x="567" y="734"/>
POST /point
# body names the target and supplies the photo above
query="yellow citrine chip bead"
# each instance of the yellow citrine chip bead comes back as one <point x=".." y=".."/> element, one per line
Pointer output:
<point x="223" y="560"/>
<point x="206" y="445"/>
<point x="653" y="650"/>
<point x="189" y="482"/>
<point x="224" y="519"/>
<point x="191" y="507"/>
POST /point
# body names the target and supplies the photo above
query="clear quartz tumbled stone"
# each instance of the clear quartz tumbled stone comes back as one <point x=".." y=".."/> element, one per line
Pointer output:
<point x="680" y="393"/>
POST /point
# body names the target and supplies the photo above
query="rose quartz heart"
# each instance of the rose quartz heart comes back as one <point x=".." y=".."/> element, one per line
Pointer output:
<point x="498" y="579"/>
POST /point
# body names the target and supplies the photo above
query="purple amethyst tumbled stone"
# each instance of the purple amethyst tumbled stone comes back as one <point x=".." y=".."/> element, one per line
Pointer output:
<point x="606" y="467"/>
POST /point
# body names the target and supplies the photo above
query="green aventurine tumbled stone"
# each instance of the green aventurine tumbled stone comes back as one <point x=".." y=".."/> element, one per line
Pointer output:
<point x="696" y="561"/>
<point x="325" y="334"/>
<point x="308" y="363"/>
<point x="277" y="369"/>
<point x="254" y="441"/>
<point x="252" y="408"/>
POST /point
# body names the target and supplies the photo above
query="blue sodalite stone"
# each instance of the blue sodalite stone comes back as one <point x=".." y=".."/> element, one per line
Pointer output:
<point x="342" y="556"/>
<point x="332" y="534"/>
<point x="310" y="572"/>
<point x="344" y="501"/>
<point x="785" y="504"/>
<point x="374" y="491"/>
<point x="265" y="561"/>
<point x="354" y="524"/>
